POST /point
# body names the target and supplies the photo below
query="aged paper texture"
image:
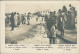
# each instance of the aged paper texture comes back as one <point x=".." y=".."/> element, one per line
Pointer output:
<point x="40" y="27"/>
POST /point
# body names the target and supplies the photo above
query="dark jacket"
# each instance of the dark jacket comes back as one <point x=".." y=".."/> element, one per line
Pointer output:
<point x="12" y="20"/>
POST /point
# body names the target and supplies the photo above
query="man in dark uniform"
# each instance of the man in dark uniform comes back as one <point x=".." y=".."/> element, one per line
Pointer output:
<point x="28" y="18"/>
<point x="23" y="19"/>
<point x="7" y="20"/>
<point x="12" y="21"/>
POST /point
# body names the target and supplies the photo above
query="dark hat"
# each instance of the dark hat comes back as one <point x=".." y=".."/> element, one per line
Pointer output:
<point x="51" y="12"/>
<point x="54" y="12"/>
<point x="59" y="10"/>
<point x="69" y="5"/>
<point x="28" y="12"/>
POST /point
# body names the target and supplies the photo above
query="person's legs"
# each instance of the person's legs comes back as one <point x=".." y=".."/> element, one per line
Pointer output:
<point x="12" y="28"/>
<point x="25" y="21"/>
<point x="53" y="40"/>
<point x="36" y="19"/>
<point x="28" y="22"/>
<point x="22" y="22"/>
<point x="50" y="40"/>
<point x="49" y="36"/>
<point x="18" y="25"/>
<point x="63" y="31"/>
<point x="42" y="18"/>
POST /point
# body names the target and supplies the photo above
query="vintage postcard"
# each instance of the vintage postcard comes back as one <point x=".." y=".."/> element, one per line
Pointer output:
<point x="40" y="27"/>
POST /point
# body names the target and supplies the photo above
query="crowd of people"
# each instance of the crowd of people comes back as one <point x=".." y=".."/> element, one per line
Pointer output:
<point x="53" y="20"/>
<point x="15" y="19"/>
<point x="59" y="21"/>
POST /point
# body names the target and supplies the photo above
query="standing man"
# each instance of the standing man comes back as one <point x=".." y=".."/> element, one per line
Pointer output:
<point x="23" y="19"/>
<point x="12" y="21"/>
<point x="7" y="20"/>
<point x="28" y="18"/>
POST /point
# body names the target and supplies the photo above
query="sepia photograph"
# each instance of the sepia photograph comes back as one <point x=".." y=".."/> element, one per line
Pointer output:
<point x="41" y="23"/>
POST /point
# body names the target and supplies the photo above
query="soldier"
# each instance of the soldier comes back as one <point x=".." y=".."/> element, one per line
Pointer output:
<point x="12" y="21"/>
<point x="28" y="18"/>
<point x="7" y="20"/>
<point x="23" y="19"/>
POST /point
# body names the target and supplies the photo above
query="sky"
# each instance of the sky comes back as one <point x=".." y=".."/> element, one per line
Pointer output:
<point x="24" y="8"/>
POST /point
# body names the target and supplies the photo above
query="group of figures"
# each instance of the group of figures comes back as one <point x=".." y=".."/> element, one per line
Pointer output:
<point x="15" y="19"/>
<point x="54" y="21"/>
<point x="63" y="19"/>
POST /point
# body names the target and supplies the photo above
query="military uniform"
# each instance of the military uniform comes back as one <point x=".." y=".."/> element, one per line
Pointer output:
<point x="12" y="21"/>
<point x="28" y="19"/>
